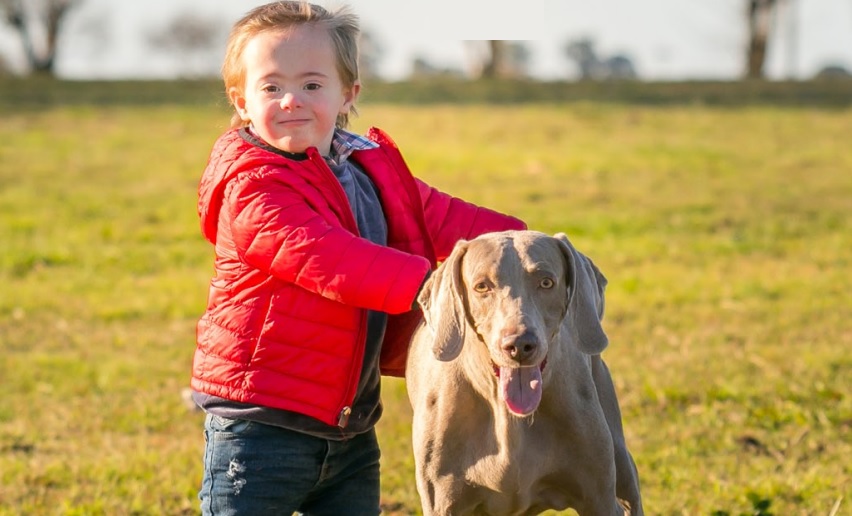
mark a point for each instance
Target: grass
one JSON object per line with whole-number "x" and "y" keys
{"x": 723, "y": 228}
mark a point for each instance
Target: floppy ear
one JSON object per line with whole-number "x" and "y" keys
{"x": 585, "y": 298}
{"x": 443, "y": 309}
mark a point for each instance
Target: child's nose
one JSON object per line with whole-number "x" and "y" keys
{"x": 289, "y": 101}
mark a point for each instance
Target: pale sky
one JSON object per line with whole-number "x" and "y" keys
{"x": 665, "y": 39}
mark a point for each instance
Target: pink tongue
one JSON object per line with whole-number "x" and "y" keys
{"x": 521, "y": 389}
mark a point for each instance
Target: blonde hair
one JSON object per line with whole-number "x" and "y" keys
{"x": 342, "y": 26}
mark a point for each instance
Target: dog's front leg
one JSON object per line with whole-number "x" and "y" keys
{"x": 627, "y": 477}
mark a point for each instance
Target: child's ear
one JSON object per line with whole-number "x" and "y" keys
{"x": 350, "y": 95}
{"x": 238, "y": 101}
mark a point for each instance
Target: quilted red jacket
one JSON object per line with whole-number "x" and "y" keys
{"x": 285, "y": 324}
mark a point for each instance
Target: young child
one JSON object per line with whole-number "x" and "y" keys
{"x": 322, "y": 240}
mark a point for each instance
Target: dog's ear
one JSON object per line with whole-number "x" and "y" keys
{"x": 443, "y": 306}
{"x": 585, "y": 298}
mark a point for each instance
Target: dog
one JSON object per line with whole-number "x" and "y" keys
{"x": 514, "y": 410}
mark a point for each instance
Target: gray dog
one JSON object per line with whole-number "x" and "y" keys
{"x": 514, "y": 409}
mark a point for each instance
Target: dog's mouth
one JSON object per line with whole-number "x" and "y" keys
{"x": 520, "y": 387}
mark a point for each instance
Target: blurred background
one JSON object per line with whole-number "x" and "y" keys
{"x": 558, "y": 40}
{"x": 698, "y": 150}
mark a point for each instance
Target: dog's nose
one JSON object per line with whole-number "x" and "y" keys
{"x": 520, "y": 347}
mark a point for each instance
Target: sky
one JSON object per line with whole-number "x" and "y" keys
{"x": 665, "y": 39}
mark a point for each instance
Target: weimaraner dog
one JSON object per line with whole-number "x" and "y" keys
{"x": 515, "y": 411}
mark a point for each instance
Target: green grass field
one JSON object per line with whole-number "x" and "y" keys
{"x": 724, "y": 228}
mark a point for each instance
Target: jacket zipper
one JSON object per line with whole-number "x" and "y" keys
{"x": 352, "y": 384}
{"x": 343, "y": 418}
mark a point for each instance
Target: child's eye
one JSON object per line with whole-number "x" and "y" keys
{"x": 270, "y": 88}
{"x": 312, "y": 86}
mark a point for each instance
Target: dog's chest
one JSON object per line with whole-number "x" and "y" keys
{"x": 516, "y": 464}
{"x": 507, "y": 489}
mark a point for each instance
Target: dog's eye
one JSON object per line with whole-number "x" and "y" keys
{"x": 481, "y": 287}
{"x": 546, "y": 283}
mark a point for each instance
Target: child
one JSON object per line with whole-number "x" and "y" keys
{"x": 323, "y": 239}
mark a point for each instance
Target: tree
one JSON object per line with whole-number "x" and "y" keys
{"x": 193, "y": 39}
{"x": 422, "y": 68}
{"x": 759, "y": 15}
{"x": 499, "y": 59}
{"x": 38, "y": 18}
{"x": 371, "y": 53}
{"x": 495, "y": 63}
{"x": 593, "y": 67}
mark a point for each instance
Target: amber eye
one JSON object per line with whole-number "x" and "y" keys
{"x": 481, "y": 287}
{"x": 546, "y": 283}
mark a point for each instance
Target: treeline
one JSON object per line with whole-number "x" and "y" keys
{"x": 36, "y": 93}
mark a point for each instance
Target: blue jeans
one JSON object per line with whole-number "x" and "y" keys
{"x": 256, "y": 469}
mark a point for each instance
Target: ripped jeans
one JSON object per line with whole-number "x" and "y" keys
{"x": 256, "y": 469}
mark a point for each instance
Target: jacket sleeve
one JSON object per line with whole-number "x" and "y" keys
{"x": 450, "y": 219}
{"x": 275, "y": 229}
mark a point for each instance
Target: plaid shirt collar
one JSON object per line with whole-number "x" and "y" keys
{"x": 344, "y": 143}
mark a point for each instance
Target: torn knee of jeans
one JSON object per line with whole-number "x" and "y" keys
{"x": 236, "y": 469}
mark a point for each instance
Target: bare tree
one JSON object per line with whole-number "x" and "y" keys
{"x": 593, "y": 67}
{"x": 193, "y": 40}
{"x": 422, "y": 68}
{"x": 371, "y": 53}
{"x": 494, "y": 65}
{"x": 38, "y": 20}
{"x": 759, "y": 14}
{"x": 499, "y": 59}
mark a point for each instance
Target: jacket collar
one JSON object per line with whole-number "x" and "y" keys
{"x": 343, "y": 144}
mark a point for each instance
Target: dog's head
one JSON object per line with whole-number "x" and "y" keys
{"x": 515, "y": 291}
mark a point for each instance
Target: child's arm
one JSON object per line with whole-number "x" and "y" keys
{"x": 450, "y": 219}
{"x": 276, "y": 229}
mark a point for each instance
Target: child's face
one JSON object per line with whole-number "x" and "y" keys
{"x": 293, "y": 91}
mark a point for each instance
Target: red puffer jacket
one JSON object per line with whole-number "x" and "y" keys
{"x": 285, "y": 324}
